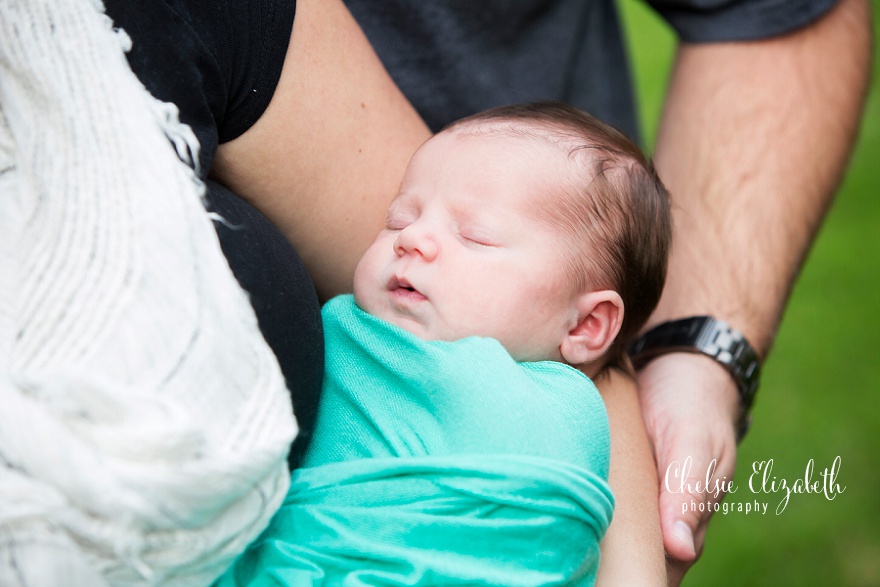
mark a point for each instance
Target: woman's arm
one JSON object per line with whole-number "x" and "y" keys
{"x": 327, "y": 156}
{"x": 632, "y": 550}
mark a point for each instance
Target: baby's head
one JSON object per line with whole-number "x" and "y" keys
{"x": 536, "y": 225}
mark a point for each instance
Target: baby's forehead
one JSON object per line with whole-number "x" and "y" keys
{"x": 553, "y": 133}
{"x": 513, "y": 133}
{"x": 481, "y": 160}
{"x": 489, "y": 146}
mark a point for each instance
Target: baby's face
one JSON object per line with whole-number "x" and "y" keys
{"x": 463, "y": 255}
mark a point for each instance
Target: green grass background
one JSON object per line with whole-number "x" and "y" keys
{"x": 820, "y": 396}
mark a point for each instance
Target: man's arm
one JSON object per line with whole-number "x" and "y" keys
{"x": 753, "y": 143}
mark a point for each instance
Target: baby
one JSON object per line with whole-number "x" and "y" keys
{"x": 455, "y": 443}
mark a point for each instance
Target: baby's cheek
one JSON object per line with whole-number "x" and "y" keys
{"x": 365, "y": 282}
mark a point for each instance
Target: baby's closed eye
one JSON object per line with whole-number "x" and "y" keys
{"x": 478, "y": 236}
{"x": 397, "y": 221}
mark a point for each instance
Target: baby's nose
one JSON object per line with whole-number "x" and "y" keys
{"x": 416, "y": 239}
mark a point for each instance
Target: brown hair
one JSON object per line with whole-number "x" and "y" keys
{"x": 616, "y": 215}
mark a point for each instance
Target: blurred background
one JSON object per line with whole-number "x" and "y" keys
{"x": 820, "y": 392}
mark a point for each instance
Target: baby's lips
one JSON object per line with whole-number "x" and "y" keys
{"x": 400, "y": 282}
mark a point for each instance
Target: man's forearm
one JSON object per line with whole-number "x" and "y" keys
{"x": 753, "y": 143}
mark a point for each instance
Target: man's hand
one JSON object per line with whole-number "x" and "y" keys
{"x": 690, "y": 405}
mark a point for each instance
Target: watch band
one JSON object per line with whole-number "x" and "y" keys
{"x": 711, "y": 337}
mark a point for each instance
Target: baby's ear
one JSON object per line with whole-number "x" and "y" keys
{"x": 600, "y": 316}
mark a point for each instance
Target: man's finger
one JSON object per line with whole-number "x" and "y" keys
{"x": 676, "y": 569}
{"x": 680, "y": 516}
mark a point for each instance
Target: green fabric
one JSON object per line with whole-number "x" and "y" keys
{"x": 437, "y": 463}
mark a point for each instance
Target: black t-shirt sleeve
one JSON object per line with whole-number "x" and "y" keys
{"x": 701, "y": 21}
{"x": 218, "y": 61}
{"x": 253, "y": 65}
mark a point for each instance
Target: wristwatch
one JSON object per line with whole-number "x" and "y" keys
{"x": 715, "y": 338}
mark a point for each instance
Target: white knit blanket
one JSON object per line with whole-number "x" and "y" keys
{"x": 144, "y": 422}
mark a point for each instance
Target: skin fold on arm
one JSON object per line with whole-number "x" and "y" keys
{"x": 323, "y": 163}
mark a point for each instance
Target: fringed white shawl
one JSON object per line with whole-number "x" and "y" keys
{"x": 144, "y": 422}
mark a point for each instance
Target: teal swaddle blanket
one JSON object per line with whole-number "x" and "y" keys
{"x": 440, "y": 463}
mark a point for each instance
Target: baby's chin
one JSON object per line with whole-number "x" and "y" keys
{"x": 404, "y": 321}
{"x": 424, "y": 331}
{"x": 410, "y": 324}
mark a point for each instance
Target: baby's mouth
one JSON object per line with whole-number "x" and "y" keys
{"x": 402, "y": 286}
